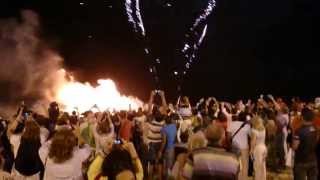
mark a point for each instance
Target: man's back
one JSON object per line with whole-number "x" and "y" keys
{"x": 306, "y": 152}
{"x": 212, "y": 163}
{"x": 240, "y": 140}
{"x": 154, "y": 131}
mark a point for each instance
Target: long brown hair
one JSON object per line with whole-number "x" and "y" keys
{"x": 62, "y": 146}
{"x": 32, "y": 131}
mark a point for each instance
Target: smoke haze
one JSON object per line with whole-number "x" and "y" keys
{"x": 29, "y": 70}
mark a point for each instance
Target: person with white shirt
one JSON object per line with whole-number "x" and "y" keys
{"x": 240, "y": 131}
{"x": 282, "y": 121}
{"x": 258, "y": 148}
{"x": 102, "y": 130}
{"x": 62, "y": 158}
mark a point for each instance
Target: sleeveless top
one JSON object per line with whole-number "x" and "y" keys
{"x": 260, "y": 136}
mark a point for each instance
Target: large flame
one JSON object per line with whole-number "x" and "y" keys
{"x": 74, "y": 95}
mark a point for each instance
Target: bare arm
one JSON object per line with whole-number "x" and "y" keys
{"x": 263, "y": 102}
{"x": 178, "y": 102}
{"x": 110, "y": 121}
{"x": 253, "y": 142}
{"x": 14, "y": 123}
{"x": 150, "y": 102}
{"x": 129, "y": 147}
{"x": 276, "y": 104}
{"x": 226, "y": 113}
{"x": 163, "y": 99}
{"x": 295, "y": 142}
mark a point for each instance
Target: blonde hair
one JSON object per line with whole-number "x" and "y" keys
{"x": 196, "y": 142}
{"x": 257, "y": 123}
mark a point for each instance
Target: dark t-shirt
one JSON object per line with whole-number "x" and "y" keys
{"x": 306, "y": 152}
{"x": 28, "y": 160}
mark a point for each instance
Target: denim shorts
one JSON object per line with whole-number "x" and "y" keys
{"x": 169, "y": 158}
{"x": 152, "y": 153}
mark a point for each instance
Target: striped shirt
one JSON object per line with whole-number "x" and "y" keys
{"x": 212, "y": 163}
{"x": 154, "y": 131}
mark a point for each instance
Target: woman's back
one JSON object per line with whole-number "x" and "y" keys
{"x": 28, "y": 161}
{"x": 260, "y": 136}
{"x": 62, "y": 157}
{"x": 69, "y": 169}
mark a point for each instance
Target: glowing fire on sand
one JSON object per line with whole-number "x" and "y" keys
{"x": 83, "y": 96}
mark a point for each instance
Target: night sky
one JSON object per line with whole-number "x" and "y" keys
{"x": 252, "y": 46}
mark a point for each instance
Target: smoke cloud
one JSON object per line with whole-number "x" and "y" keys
{"x": 29, "y": 69}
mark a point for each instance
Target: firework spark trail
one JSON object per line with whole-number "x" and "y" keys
{"x": 193, "y": 37}
{"x": 128, "y": 4}
{"x": 205, "y": 14}
{"x": 196, "y": 47}
{"x": 134, "y": 16}
{"x": 203, "y": 35}
{"x": 190, "y": 51}
{"x": 140, "y": 22}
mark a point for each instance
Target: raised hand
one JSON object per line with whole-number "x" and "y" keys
{"x": 161, "y": 93}
{"x": 153, "y": 93}
{"x": 270, "y": 97}
{"x": 130, "y": 148}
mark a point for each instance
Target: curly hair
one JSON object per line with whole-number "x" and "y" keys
{"x": 62, "y": 146}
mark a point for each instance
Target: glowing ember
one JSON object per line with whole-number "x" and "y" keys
{"x": 82, "y": 97}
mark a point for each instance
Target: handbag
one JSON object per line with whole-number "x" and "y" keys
{"x": 250, "y": 167}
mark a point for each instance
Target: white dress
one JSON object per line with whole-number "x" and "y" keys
{"x": 259, "y": 155}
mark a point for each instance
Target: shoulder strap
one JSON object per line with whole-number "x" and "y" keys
{"x": 238, "y": 130}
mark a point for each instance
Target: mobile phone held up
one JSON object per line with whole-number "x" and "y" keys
{"x": 117, "y": 142}
{"x": 157, "y": 91}
{"x": 26, "y": 115}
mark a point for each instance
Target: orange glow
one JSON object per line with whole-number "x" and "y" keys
{"x": 83, "y": 96}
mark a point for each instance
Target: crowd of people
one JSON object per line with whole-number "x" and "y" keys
{"x": 211, "y": 140}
